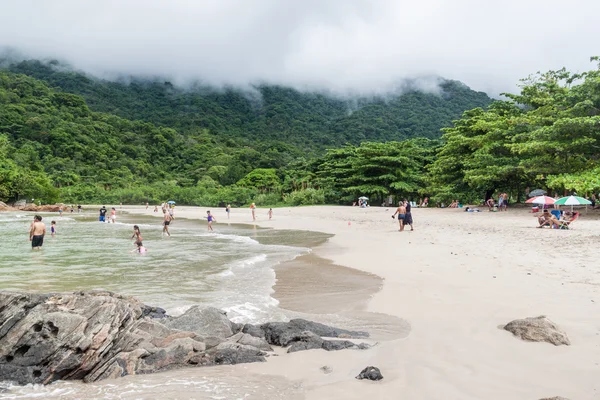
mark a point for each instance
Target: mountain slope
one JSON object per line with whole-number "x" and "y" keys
{"x": 269, "y": 112}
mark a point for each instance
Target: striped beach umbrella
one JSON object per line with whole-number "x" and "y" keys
{"x": 541, "y": 200}
{"x": 572, "y": 201}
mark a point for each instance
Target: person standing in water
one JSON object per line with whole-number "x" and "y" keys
{"x": 102, "y": 214}
{"x": 166, "y": 223}
{"x": 253, "y": 209}
{"x": 146, "y": 205}
{"x": 228, "y": 210}
{"x": 270, "y": 213}
{"x": 37, "y": 233}
{"x": 210, "y": 219}
{"x": 408, "y": 216}
{"x": 136, "y": 233}
{"x": 53, "y": 228}
{"x": 113, "y": 215}
{"x": 401, "y": 211}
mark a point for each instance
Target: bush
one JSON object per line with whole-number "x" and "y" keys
{"x": 305, "y": 197}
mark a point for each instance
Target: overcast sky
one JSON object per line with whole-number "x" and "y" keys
{"x": 363, "y": 45}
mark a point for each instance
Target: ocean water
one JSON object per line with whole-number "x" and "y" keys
{"x": 231, "y": 268}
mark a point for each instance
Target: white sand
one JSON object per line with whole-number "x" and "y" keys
{"x": 456, "y": 278}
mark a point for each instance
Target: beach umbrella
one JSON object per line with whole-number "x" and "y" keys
{"x": 363, "y": 198}
{"x": 171, "y": 202}
{"x": 541, "y": 200}
{"x": 537, "y": 192}
{"x": 572, "y": 201}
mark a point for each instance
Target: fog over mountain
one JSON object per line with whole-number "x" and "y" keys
{"x": 339, "y": 45}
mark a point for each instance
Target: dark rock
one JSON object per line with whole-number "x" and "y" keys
{"x": 538, "y": 329}
{"x": 331, "y": 345}
{"x": 284, "y": 333}
{"x": 306, "y": 341}
{"x": 254, "y": 330}
{"x": 98, "y": 335}
{"x": 371, "y": 373}
{"x": 205, "y": 321}
{"x": 153, "y": 312}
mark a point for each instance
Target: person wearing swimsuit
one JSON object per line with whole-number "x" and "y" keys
{"x": 401, "y": 211}
{"x": 210, "y": 219}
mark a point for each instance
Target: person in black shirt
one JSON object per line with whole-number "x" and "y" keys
{"x": 102, "y": 213}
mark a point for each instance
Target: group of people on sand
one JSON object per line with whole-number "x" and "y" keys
{"x": 404, "y": 215}
{"x": 550, "y": 219}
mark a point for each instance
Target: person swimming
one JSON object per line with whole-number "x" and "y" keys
{"x": 140, "y": 248}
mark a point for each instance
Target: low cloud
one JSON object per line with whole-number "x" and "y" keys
{"x": 343, "y": 46}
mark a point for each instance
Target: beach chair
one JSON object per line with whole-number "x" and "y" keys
{"x": 567, "y": 224}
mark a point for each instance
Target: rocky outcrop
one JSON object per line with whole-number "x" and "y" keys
{"x": 371, "y": 373}
{"x": 538, "y": 329}
{"x": 97, "y": 335}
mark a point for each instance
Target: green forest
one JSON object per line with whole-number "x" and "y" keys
{"x": 68, "y": 137}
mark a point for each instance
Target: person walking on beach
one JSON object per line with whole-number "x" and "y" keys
{"x": 408, "y": 215}
{"x": 53, "y": 228}
{"x": 166, "y": 223}
{"x": 270, "y": 213}
{"x": 210, "y": 219}
{"x": 37, "y": 233}
{"x": 253, "y": 209}
{"x": 505, "y": 201}
{"x": 228, "y": 210}
{"x": 103, "y": 211}
{"x": 401, "y": 211}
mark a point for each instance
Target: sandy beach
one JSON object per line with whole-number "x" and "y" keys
{"x": 454, "y": 280}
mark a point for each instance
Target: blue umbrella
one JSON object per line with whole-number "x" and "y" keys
{"x": 171, "y": 202}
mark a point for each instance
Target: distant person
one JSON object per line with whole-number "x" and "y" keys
{"x": 140, "y": 248}
{"x": 490, "y": 204}
{"x": 166, "y": 223}
{"x": 60, "y": 211}
{"x": 408, "y": 220}
{"x": 37, "y": 233}
{"x": 172, "y": 211}
{"x": 113, "y": 215}
{"x": 253, "y": 209}
{"x": 78, "y": 208}
{"x": 210, "y": 219}
{"x": 270, "y": 213}
{"x": 146, "y": 205}
{"x": 505, "y": 201}
{"x": 155, "y": 208}
{"x": 425, "y": 202}
{"x": 228, "y": 210}
{"x": 137, "y": 234}
{"x": 121, "y": 206}
{"x": 72, "y": 209}
{"x": 103, "y": 211}
{"x": 53, "y": 228}
{"x": 401, "y": 212}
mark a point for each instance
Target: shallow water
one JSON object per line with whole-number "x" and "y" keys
{"x": 229, "y": 269}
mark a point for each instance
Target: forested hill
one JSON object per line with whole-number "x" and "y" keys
{"x": 310, "y": 120}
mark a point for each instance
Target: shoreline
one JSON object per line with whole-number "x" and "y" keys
{"x": 455, "y": 279}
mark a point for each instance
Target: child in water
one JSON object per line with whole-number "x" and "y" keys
{"x": 53, "y": 228}
{"x": 270, "y": 213}
{"x": 140, "y": 248}
{"x": 210, "y": 219}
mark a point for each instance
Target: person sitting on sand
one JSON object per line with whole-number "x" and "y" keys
{"x": 547, "y": 219}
